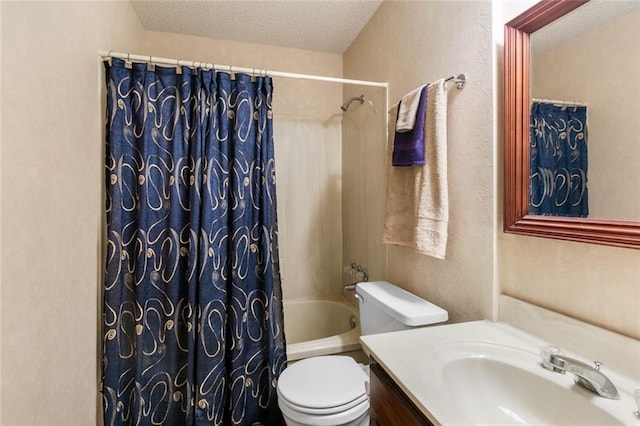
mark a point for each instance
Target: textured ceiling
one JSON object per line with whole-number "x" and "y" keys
{"x": 323, "y": 25}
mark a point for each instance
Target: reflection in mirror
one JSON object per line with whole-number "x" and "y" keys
{"x": 605, "y": 223}
{"x": 585, "y": 104}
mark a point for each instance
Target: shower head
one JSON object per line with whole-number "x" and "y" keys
{"x": 345, "y": 106}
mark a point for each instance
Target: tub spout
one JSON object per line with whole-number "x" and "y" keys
{"x": 350, "y": 287}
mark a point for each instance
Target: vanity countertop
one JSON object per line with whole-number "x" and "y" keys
{"x": 424, "y": 363}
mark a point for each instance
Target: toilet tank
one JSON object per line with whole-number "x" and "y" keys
{"x": 385, "y": 307}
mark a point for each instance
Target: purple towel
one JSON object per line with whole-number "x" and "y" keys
{"x": 408, "y": 147}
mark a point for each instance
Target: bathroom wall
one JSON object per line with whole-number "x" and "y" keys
{"x": 409, "y": 44}
{"x": 51, "y": 170}
{"x": 51, "y": 175}
{"x": 613, "y": 107}
{"x": 593, "y": 283}
{"x": 299, "y": 98}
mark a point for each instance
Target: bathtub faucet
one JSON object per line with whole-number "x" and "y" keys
{"x": 586, "y": 376}
{"x": 350, "y": 287}
{"x": 358, "y": 271}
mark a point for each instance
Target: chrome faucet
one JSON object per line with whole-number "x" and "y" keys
{"x": 350, "y": 287}
{"x": 586, "y": 376}
{"x": 357, "y": 271}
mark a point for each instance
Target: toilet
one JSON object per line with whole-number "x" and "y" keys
{"x": 332, "y": 390}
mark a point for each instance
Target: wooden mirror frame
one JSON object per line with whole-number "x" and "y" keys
{"x": 517, "y": 219}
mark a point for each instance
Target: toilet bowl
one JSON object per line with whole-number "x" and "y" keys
{"x": 331, "y": 390}
{"x": 324, "y": 391}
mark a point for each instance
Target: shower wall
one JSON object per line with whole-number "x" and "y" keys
{"x": 364, "y": 181}
{"x": 309, "y": 177}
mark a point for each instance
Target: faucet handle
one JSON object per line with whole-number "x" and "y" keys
{"x": 546, "y": 352}
{"x": 636, "y": 395}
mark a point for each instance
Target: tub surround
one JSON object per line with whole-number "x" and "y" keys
{"x": 320, "y": 327}
{"x": 416, "y": 359}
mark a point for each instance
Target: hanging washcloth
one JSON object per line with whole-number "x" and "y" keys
{"x": 408, "y": 110}
{"x": 417, "y": 205}
{"x": 408, "y": 146}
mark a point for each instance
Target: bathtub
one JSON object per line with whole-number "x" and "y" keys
{"x": 320, "y": 327}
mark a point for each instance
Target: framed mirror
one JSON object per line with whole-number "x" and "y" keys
{"x": 517, "y": 154}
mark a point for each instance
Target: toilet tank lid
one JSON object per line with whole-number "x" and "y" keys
{"x": 400, "y": 304}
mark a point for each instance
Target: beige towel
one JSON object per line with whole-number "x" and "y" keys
{"x": 417, "y": 209}
{"x": 406, "y": 120}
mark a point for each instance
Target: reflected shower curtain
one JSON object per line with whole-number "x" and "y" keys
{"x": 193, "y": 327}
{"x": 558, "y": 160}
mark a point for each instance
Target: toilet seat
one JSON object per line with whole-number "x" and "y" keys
{"x": 329, "y": 389}
{"x": 358, "y": 415}
{"x": 364, "y": 399}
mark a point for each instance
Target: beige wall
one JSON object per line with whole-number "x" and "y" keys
{"x": 52, "y": 162}
{"x": 409, "y": 44}
{"x": 597, "y": 284}
{"x": 609, "y": 84}
{"x": 300, "y": 98}
{"x": 51, "y": 201}
{"x": 1, "y": 221}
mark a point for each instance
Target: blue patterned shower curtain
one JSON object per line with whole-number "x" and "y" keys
{"x": 193, "y": 325}
{"x": 558, "y": 160}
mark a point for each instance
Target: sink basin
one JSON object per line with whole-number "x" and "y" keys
{"x": 484, "y": 373}
{"x": 505, "y": 394}
{"x": 494, "y": 384}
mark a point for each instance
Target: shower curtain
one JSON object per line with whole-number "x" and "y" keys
{"x": 558, "y": 160}
{"x": 192, "y": 321}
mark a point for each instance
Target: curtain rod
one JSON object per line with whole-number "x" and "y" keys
{"x": 562, "y": 103}
{"x": 232, "y": 69}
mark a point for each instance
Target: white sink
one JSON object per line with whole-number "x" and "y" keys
{"x": 494, "y": 384}
{"x": 490, "y": 374}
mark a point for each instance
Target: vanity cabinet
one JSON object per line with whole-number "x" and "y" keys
{"x": 389, "y": 405}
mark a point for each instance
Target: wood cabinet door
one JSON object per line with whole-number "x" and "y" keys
{"x": 389, "y": 405}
